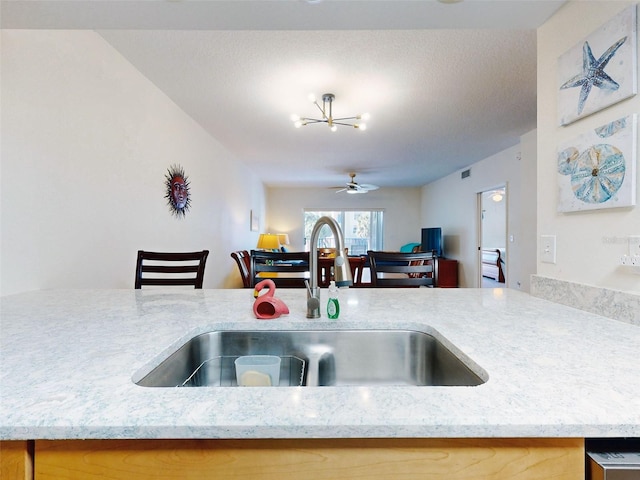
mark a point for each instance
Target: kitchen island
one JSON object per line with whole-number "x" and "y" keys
{"x": 555, "y": 376}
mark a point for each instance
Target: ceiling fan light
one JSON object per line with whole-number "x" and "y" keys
{"x": 334, "y": 128}
{"x": 352, "y": 187}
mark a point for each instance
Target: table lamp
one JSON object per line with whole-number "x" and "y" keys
{"x": 283, "y": 239}
{"x": 268, "y": 241}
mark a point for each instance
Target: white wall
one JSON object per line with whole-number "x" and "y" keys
{"x": 452, "y": 203}
{"x": 86, "y": 142}
{"x": 589, "y": 244}
{"x": 401, "y": 211}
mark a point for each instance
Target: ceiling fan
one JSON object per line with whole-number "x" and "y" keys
{"x": 354, "y": 187}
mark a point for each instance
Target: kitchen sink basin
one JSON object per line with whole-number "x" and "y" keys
{"x": 318, "y": 358}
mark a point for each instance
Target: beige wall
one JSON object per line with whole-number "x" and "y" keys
{"x": 401, "y": 211}
{"x": 589, "y": 244}
{"x": 452, "y": 203}
{"x": 86, "y": 142}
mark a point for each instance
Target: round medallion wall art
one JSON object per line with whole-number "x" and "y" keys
{"x": 597, "y": 170}
{"x": 177, "y": 193}
{"x": 596, "y": 173}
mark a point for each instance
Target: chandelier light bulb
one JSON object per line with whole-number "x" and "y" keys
{"x": 326, "y": 111}
{"x": 295, "y": 118}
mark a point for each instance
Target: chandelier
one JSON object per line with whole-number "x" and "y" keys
{"x": 327, "y": 115}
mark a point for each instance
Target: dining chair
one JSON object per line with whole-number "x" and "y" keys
{"x": 243, "y": 259}
{"x": 286, "y": 269}
{"x": 169, "y": 269}
{"x": 400, "y": 269}
{"x": 358, "y": 264}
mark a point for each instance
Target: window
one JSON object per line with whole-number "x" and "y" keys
{"x": 362, "y": 230}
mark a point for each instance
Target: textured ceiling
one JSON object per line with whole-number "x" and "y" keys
{"x": 440, "y": 99}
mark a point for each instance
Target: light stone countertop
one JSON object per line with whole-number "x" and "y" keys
{"x": 67, "y": 359}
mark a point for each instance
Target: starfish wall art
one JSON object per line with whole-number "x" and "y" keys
{"x": 600, "y": 70}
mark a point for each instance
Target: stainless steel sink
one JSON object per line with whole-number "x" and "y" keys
{"x": 319, "y": 358}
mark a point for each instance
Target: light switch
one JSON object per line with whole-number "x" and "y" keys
{"x": 548, "y": 248}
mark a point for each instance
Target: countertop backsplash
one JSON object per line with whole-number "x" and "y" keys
{"x": 614, "y": 304}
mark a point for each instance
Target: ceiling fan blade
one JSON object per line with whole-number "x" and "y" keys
{"x": 355, "y": 187}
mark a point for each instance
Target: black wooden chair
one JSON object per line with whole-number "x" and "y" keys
{"x": 243, "y": 259}
{"x": 400, "y": 269}
{"x": 170, "y": 269}
{"x": 286, "y": 269}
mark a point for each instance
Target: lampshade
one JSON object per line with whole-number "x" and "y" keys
{"x": 283, "y": 238}
{"x": 268, "y": 241}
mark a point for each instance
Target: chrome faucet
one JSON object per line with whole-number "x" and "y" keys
{"x": 342, "y": 271}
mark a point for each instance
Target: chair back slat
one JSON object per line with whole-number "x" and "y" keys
{"x": 171, "y": 269}
{"x": 400, "y": 269}
{"x": 172, "y": 265}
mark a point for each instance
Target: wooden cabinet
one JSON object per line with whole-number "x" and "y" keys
{"x": 446, "y": 273}
{"x": 16, "y": 460}
{"x": 312, "y": 459}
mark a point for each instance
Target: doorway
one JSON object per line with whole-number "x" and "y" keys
{"x": 492, "y": 249}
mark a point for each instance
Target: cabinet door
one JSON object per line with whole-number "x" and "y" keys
{"x": 447, "y": 274}
{"x": 16, "y": 461}
{"x": 309, "y": 459}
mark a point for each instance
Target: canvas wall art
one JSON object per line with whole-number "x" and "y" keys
{"x": 254, "y": 221}
{"x": 598, "y": 169}
{"x": 600, "y": 70}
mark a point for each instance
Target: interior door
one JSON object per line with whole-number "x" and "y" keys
{"x": 492, "y": 222}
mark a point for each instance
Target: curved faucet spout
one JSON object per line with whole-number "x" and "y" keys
{"x": 342, "y": 271}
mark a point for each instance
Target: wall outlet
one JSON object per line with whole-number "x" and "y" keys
{"x": 631, "y": 261}
{"x": 634, "y": 245}
{"x": 548, "y": 248}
